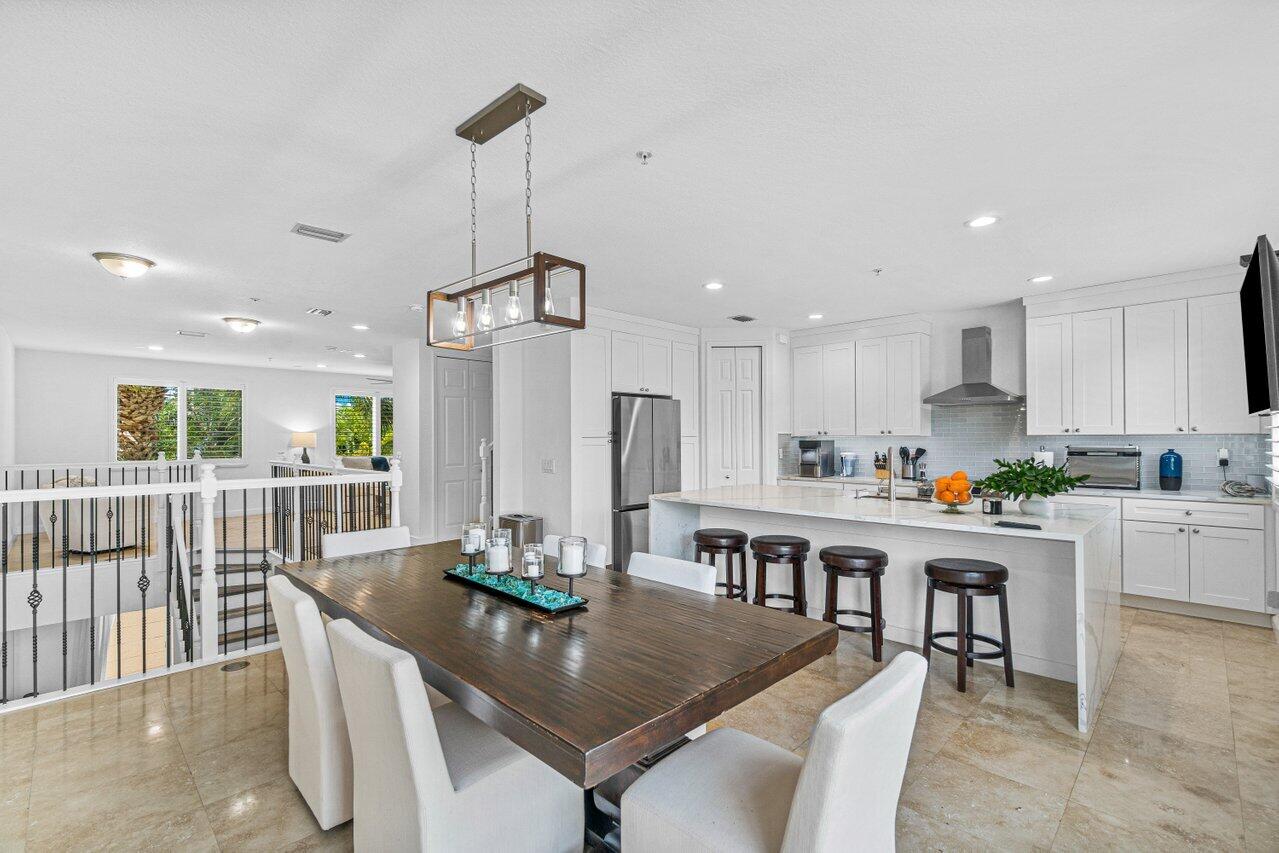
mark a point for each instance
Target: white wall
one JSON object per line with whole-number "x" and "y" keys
{"x": 548, "y": 436}
{"x": 65, "y": 404}
{"x": 1007, "y": 321}
{"x": 7, "y": 407}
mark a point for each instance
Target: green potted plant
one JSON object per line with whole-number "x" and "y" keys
{"x": 1032, "y": 482}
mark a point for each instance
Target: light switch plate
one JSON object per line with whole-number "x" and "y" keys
{"x": 548, "y": 466}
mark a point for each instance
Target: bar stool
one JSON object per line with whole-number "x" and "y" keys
{"x": 852, "y": 561}
{"x": 726, "y": 541}
{"x": 781, "y": 549}
{"x": 968, "y": 579}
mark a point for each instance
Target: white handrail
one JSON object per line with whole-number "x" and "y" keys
{"x": 152, "y": 463}
{"x": 132, "y": 489}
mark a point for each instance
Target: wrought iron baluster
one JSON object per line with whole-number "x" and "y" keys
{"x": 168, "y": 577}
{"x": 93, "y": 566}
{"x": 35, "y": 596}
{"x": 264, "y": 566}
{"x": 144, "y": 582}
{"x": 66, "y": 551}
{"x": 80, "y": 554}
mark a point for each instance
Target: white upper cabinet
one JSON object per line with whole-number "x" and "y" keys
{"x": 872, "y": 386}
{"x": 838, "y": 381}
{"x": 1155, "y": 368}
{"x": 684, "y": 385}
{"x": 906, "y": 370}
{"x": 592, "y": 382}
{"x": 1097, "y": 367}
{"x": 1049, "y": 398}
{"x": 628, "y": 354}
{"x": 1218, "y": 393}
{"x": 655, "y": 366}
{"x": 808, "y": 390}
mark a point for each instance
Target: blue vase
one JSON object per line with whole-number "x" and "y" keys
{"x": 1170, "y": 471}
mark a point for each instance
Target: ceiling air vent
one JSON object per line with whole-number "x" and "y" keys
{"x": 378, "y": 380}
{"x": 742, "y": 318}
{"x": 319, "y": 233}
{"x": 319, "y": 312}
{"x": 184, "y": 333}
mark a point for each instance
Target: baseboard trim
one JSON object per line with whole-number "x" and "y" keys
{"x": 1203, "y": 611}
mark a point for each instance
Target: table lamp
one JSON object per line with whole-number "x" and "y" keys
{"x": 303, "y": 440}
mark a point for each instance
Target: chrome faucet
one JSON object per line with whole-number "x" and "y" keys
{"x": 892, "y": 475}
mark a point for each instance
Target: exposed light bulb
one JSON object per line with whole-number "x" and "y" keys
{"x": 548, "y": 304}
{"x": 459, "y": 319}
{"x": 514, "y": 313}
{"x": 485, "y": 320}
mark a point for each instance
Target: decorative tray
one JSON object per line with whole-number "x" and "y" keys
{"x": 545, "y": 599}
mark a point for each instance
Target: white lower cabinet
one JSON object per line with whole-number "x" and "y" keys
{"x": 1221, "y": 566}
{"x": 592, "y": 516}
{"x": 1225, "y": 568}
{"x": 1156, "y": 560}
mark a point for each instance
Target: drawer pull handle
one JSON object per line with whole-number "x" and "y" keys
{"x": 1181, "y": 530}
{"x": 1196, "y": 530}
{"x": 1188, "y": 512}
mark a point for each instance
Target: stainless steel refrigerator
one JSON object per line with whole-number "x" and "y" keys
{"x": 645, "y": 462}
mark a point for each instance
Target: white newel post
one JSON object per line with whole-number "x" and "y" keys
{"x": 397, "y": 480}
{"x": 208, "y": 565}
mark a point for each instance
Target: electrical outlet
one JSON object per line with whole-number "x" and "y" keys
{"x": 1223, "y": 457}
{"x": 548, "y": 466}
{"x": 780, "y": 455}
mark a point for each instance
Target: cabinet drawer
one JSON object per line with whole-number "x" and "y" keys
{"x": 1251, "y": 516}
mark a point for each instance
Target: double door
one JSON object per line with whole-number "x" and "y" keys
{"x": 1075, "y": 373}
{"x": 641, "y": 364}
{"x": 1220, "y": 566}
{"x": 823, "y": 389}
{"x": 890, "y": 385}
{"x": 734, "y": 416}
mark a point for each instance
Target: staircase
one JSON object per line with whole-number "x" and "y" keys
{"x": 244, "y": 613}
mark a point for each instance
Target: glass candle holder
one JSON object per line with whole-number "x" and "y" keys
{"x": 532, "y": 567}
{"x": 473, "y": 535}
{"x": 497, "y": 555}
{"x": 572, "y": 559}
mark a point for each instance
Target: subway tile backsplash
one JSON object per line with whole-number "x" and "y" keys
{"x": 972, "y": 437}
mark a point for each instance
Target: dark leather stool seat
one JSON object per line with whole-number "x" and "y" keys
{"x": 729, "y": 542}
{"x": 853, "y": 561}
{"x": 968, "y": 579}
{"x": 782, "y": 549}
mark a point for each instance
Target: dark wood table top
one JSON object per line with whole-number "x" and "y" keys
{"x": 588, "y": 692}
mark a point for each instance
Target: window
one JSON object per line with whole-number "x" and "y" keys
{"x": 177, "y": 420}
{"x": 363, "y": 425}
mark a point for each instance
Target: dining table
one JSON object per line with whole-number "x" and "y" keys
{"x": 589, "y": 692}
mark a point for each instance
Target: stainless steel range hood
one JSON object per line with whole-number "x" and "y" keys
{"x": 976, "y": 389}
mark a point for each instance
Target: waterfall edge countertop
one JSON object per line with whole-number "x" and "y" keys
{"x": 1070, "y": 522}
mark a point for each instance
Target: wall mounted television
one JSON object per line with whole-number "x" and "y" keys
{"x": 1259, "y": 307}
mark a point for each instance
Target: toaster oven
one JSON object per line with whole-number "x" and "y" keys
{"x": 1113, "y": 467}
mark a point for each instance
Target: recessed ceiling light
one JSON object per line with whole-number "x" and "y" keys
{"x": 243, "y": 325}
{"x": 1040, "y": 279}
{"x": 359, "y": 355}
{"x": 713, "y": 285}
{"x": 982, "y": 221}
{"x": 360, "y": 327}
{"x": 321, "y": 366}
{"x": 156, "y": 348}
{"x": 815, "y": 316}
{"x": 125, "y": 266}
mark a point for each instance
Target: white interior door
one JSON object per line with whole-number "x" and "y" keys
{"x": 734, "y": 416}
{"x": 463, "y": 416}
{"x": 1155, "y": 368}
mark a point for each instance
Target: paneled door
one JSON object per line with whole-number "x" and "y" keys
{"x": 1156, "y": 560}
{"x": 1155, "y": 368}
{"x": 872, "y": 396}
{"x": 1217, "y": 390}
{"x": 808, "y": 387}
{"x": 1049, "y": 396}
{"x": 1097, "y": 371}
{"x": 1223, "y": 568}
{"x": 463, "y": 416}
{"x": 734, "y": 416}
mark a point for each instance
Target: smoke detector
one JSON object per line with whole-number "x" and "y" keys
{"x": 317, "y": 233}
{"x": 319, "y": 312}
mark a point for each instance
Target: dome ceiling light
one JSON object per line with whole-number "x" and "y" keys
{"x": 243, "y": 325}
{"x": 538, "y": 294}
{"x": 125, "y": 266}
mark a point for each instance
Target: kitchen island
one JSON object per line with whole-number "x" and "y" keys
{"x": 1064, "y": 580}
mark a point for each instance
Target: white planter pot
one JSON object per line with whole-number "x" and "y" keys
{"x": 1037, "y": 506}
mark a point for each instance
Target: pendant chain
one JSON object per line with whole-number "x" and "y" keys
{"x": 473, "y": 267}
{"x": 528, "y": 174}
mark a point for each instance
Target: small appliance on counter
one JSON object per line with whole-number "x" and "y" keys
{"x": 525, "y": 529}
{"x": 848, "y": 464}
{"x": 1112, "y": 467}
{"x": 816, "y": 458}
{"x": 1170, "y": 471}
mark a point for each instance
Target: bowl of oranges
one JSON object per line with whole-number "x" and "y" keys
{"x": 953, "y": 491}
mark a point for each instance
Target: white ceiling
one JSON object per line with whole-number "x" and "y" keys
{"x": 796, "y": 148}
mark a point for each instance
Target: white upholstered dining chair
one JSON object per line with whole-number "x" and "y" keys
{"x": 727, "y": 791}
{"x": 319, "y": 751}
{"x": 363, "y": 541}
{"x": 596, "y": 554}
{"x": 439, "y": 779}
{"x": 699, "y": 577}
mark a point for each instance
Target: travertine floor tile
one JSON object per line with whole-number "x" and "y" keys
{"x": 936, "y": 835}
{"x": 772, "y": 718}
{"x": 240, "y": 764}
{"x": 1260, "y": 826}
{"x": 1168, "y": 707}
{"x": 1086, "y": 829}
{"x": 267, "y": 817}
{"x": 340, "y": 839}
{"x": 1046, "y": 765}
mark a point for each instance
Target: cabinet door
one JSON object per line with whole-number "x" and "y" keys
{"x": 655, "y": 369}
{"x": 1217, "y": 388}
{"x": 1155, "y": 368}
{"x": 1048, "y": 389}
{"x": 684, "y": 385}
{"x": 690, "y": 463}
{"x": 872, "y": 376}
{"x": 903, "y": 390}
{"x": 627, "y": 358}
{"x": 808, "y": 387}
{"x": 1227, "y": 568}
{"x": 1157, "y": 560}
{"x": 837, "y": 371}
{"x": 592, "y": 382}
{"x": 592, "y": 502}
{"x": 1097, "y": 372}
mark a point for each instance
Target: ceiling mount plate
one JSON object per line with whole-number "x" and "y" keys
{"x": 501, "y": 114}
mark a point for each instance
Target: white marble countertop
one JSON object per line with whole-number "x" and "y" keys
{"x": 1070, "y": 522}
{"x": 1211, "y": 495}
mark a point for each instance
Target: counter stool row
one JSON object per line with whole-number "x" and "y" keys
{"x": 966, "y": 579}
